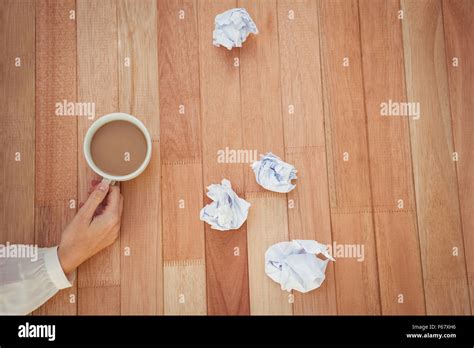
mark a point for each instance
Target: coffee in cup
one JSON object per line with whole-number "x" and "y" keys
{"x": 117, "y": 147}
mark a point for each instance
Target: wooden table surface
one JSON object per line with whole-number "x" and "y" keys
{"x": 309, "y": 88}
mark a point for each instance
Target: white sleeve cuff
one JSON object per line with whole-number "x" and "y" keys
{"x": 54, "y": 269}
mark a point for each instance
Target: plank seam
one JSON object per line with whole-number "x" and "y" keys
{"x": 264, "y": 194}
{"x": 98, "y": 284}
{"x": 120, "y": 240}
{"x": 369, "y": 210}
{"x": 366, "y": 117}
{"x": 185, "y": 161}
{"x": 285, "y": 148}
{"x": 76, "y": 95}
{"x": 327, "y": 144}
{"x": 446, "y": 278}
{"x": 183, "y": 263}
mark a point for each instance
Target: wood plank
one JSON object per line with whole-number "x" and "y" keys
{"x": 384, "y": 80}
{"x": 141, "y": 270}
{"x": 182, "y": 202}
{"x": 101, "y": 303}
{"x": 390, "y": 161}
{"x": 227, "y": 272}
{"x": 434, "y": 170}
{"x": 221, "y": 119}
{"x": 183, "y": 232}
{"x": 50, "y": 221}
{"x": 56, "y": 135}
{"x": 260, "y": 87}
{"x": 17, "y": 39}
{"x": 345, "y": 114}
{"x": 309, "y": 218}
{"x": 183, "y": 240}
{"x": 185, "y": 287}
{"x": 178, "y": 79}
{"x": 356, "y": 277}
{"x": 97, "y": 81}
{"x": 298, "y": 29}
{"x": 267, "y": 224}
{"x": 263, "y": 130}
{"x": 459, "y": 28}
{"x": 399, "y": 263}
{"x": 344, "y": 102}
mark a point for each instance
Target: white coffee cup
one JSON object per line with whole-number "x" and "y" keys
{"x": 116, "y": 116}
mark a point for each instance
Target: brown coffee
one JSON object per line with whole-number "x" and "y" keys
{"x": 118, "y": 148}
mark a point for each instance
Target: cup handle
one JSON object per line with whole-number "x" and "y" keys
{"x": 110, "y": 182}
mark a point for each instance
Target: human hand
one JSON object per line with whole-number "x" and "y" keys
{"x": 95, "y": 226}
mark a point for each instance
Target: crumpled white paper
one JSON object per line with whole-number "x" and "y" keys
{"x": 227, "y": 211}
{"x": 232, "y": 28}
{"x": 295, "y": 266}
{"x": 274, "y": 174}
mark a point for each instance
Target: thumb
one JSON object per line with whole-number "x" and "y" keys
{"x": 95, "y": 198}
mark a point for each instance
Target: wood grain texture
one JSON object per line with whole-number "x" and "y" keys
{"x": 300, "y": 74}
{"x": 178, "y": 265}
{"x": 459, "y": 29}
{"x": 263, "y": 131}
{"x": 384, "y": 80}
{"x": 185, "y": 287}
{"x": 220, "y": 100}
{"x": 178, "y": 80}
{"x": 305, "y": 139}
{"x": 180, "y": 134}
{"x": 399, "y": 263}
{"x": 97, "y": 82}
{"x": 260, "y": 87}
{"x": 100, "y": 300}
{"x": 141, "y": 271}
{"x": 434, "y": 170}
{"x": 351, "y": 202}
{"x": 17, "y": 131}
{"x": 267, "y": 224}
{"x": 398, "y": 248}
{"x": 344, "y": 102}
{"x": 184, "y": 235}
{"x": 356, "y": 277}
{"x": 310, "y": 218}
{"x": 183, "y": 239}
{"x": 50, "y": 221}
{"x": 138, "y": 41}
{"x": 141, "y": 231}
{"x": 56, "y": 135}
{"x": 226, "y": 273}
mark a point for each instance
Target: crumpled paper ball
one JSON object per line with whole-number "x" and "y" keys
{"x": 274, "y": 174}
{"x": 232, "y": 28}
{"x": 294, "y": 265}
{"x": 227, "y": 211}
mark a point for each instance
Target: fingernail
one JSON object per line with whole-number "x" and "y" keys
{"x": 104, "y": 186}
